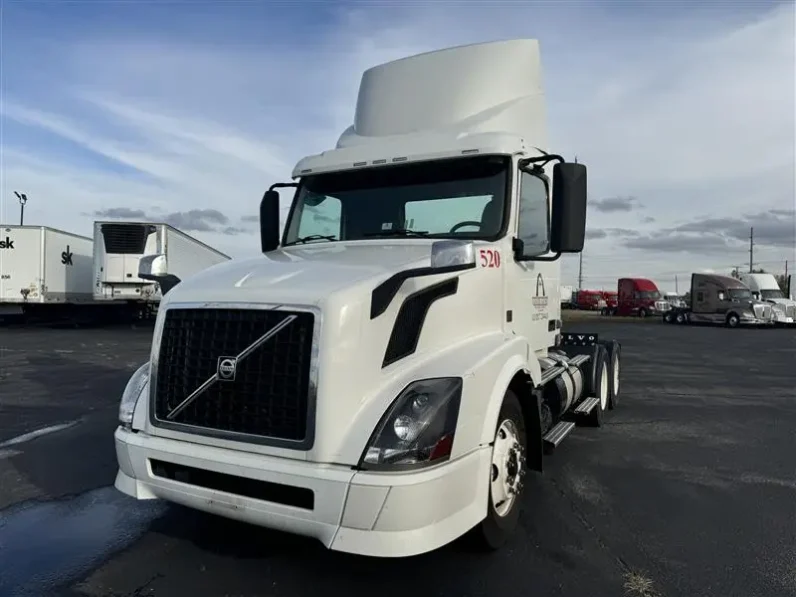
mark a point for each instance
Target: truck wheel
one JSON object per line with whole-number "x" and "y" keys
{"x": 733, "y": 320}
{"x": 667, "y": 317}
{"x": 602, "y": 389}
{"x": 680, "y": 318}
{"x": 614, "y": 374}
{"x": 642, "y": 312}
{"x": 505, "y": 476}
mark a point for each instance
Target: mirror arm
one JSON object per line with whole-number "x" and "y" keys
{"x": 541, "y": 160}
{"x": 517, "y": 246}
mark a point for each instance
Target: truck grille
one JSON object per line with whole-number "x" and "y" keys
{"x": 269, "y": 393}
{"x": 762, "y": 311}
{"x": 790, "y": 311}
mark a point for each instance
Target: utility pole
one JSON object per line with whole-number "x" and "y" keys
{"x": 786, "y": 269}
{"x": 676, "y": 286}
{"x": 23, "y": 199}
{"x": 580, "y": 271}
{"x": 751, "y": 249}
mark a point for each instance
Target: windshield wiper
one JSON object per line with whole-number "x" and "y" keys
{"x": 305, "y": 239}
{"x": 397, "y": 232}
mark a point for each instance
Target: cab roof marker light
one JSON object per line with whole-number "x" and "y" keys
{"x": 401, "y": 159}
{"x": 469, "y": 151}
{"x": 379, "y": 162}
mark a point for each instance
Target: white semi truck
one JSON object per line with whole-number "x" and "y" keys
{"x": 118, "y": 247}
{"x": 384, "y": 375}
{"x": 765, "y": 288}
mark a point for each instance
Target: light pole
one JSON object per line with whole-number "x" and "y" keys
{"x": 23, "y": 199}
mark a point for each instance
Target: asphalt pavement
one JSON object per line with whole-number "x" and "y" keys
{"x": 688, "y": 489}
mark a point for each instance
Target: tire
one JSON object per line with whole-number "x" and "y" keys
{"x": 680, "y": 318}
{"x": 732, "y": 320}
{"x": 642, "y": 312}
{"x": 667, "y": 317}
{"x": 601, "y": 385}
{"x": 501, "y": 520}
{"x": 604, "y": 311}
{"x": 614, "y": 374}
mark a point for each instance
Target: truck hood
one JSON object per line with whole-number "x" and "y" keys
{"x": 302, "y": 274}
{"x": 354, "y": 387}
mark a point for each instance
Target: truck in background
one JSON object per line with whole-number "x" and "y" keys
{"x": 720, "y": 299}
{"x": 765, "y": 288}
{"x": 611, "y": 301}
{"x": 674, "y": 299}
{"x": 361, "y": 382}
{"x": 639, "y": 297}
{"x": 118, "y": 248}
{"x": 43, "y": 270}
{"x": 589, "y": 300}
{"x": 566, "y": 293}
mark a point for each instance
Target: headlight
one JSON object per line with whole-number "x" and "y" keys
{"x": 418, "y": 428}
{"x": 132, "y": 392}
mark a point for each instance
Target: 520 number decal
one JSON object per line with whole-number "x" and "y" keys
{"x": 490, "y": 258}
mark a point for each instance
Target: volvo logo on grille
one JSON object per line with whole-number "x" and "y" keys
{"x": 227, "y": 368}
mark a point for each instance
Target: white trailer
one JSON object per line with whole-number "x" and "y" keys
{"x": 383, "y": 376}
{"x": 119, "y": 246}
{"x": 765, "y": 288}
{"x": 566, "y": 293}
{"x": 43, "y": 266}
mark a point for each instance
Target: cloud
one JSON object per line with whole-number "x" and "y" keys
{"x": 120, "y": 212}
{"x": 772, "y": 228}
{"x": 194, "y": 220}
{"x": 614, "y": 204}
{"x": 688, "y": 110}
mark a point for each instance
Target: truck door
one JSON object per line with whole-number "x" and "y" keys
{"x": 532, "y": 287}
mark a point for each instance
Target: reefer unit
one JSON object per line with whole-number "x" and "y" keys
{"x": 41, "y": 265}
{"x": 118, "y": 247}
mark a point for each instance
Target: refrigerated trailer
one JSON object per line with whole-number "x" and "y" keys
{"x": 43, "y": 267}
{"x": 119, "y": 246}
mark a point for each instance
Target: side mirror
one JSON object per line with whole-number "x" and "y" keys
{"x": 568, "y": 221}
{"x": 452, "y": 254}
{"x": 155, "y": 268}
{"x": 269, "y": 221}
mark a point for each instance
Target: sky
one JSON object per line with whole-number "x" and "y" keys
{"x": 185, "y": 112}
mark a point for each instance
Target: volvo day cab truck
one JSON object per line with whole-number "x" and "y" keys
{"x": 386, "y": 373}
{"x": 765, "y": 288}
{"x": 721, "y": 300}
{"x": 118, "y": 247}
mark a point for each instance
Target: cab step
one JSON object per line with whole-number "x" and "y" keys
{"x": 586, "y": 406}
{"x": 557, "y": 434}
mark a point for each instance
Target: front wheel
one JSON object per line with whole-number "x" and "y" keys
{"x": 505, "y": 476}
{"x": 733, "y": 320}
{"x": 642, "y": 312}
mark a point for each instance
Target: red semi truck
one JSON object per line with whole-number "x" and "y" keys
{"x": 639, "y": 297}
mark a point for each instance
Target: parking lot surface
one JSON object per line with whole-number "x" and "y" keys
{"x": 688, "y": 489}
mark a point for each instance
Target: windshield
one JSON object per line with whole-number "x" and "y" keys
{"x": 650, "y": 294}
{"x": 739, "y": 294}
{"x": 770, "y": 294}
{"x": 459, "y": 198}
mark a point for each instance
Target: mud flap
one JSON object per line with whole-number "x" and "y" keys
{"x": 533, "y": 431}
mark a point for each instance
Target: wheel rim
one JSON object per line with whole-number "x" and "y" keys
{"x": 507, "y": 468}
{"x": 616, "y": 375}
{"x": 603, "y": 387}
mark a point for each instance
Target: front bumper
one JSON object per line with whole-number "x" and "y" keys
{"x": 385, "y": 515}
